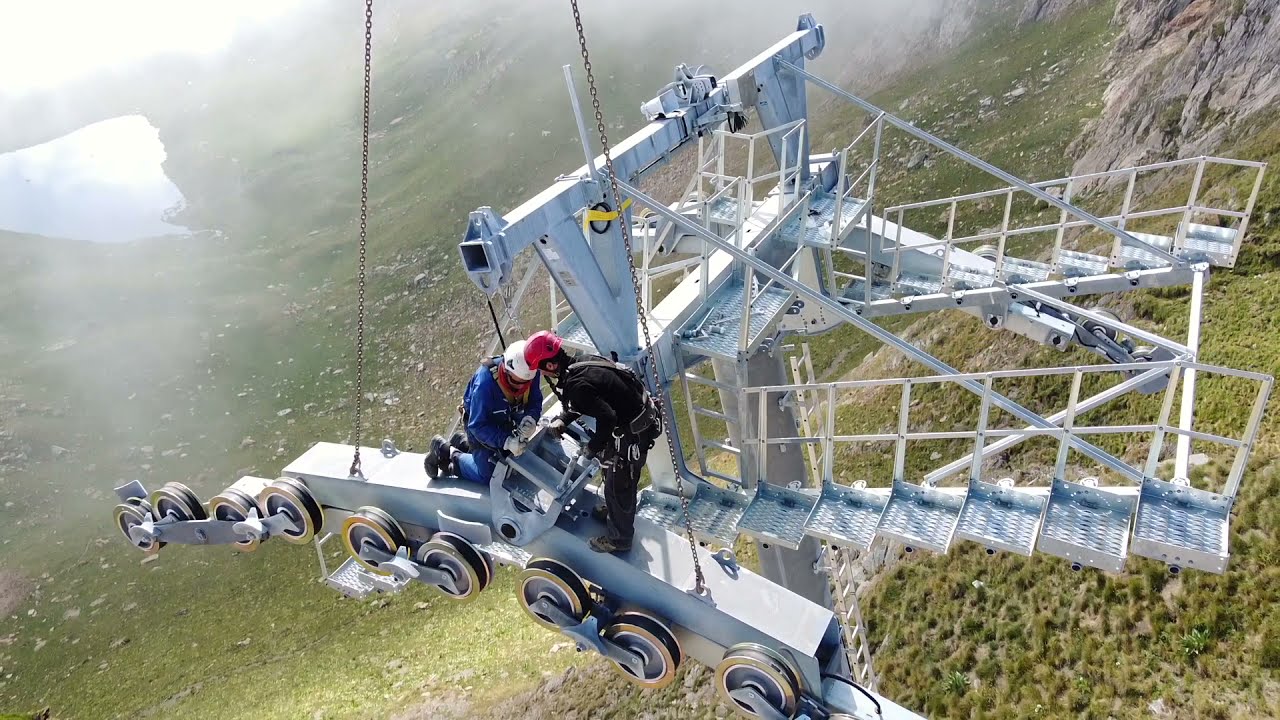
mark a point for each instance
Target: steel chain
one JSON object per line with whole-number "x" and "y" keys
{"x": 364, "y": 220}
{"x": 640, "y": 312}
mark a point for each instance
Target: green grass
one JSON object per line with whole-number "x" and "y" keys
{"x": 185, "y": 329}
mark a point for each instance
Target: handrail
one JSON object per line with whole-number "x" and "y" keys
{"x": 979, "y": 163}
{"x": 1064, "y": 429}
{"x": 1087, "y": 176}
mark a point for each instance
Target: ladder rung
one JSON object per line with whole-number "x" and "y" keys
{"x": 698, "y": 379}
{"x": 722, "y": 476}
{"x": 721, "y": 447}
{"x": 714, "y": 414}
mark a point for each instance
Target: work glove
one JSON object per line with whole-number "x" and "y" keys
{"x": 586, "y": 453}
{"x": 514, "y": 445}
{"x": 556, "y": 428}
{"x": 528, "y": 426}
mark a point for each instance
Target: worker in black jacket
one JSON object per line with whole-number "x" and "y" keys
{"x": 627, "y": 424}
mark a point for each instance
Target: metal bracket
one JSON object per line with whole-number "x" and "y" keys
{"x": 254, "y": 527}
{"x": 130, "y": 490}
{"x": 389, "y": 448}
{"x": 758, "y": 703}
{"x": 586, "y": 634}
{"x": 404, "y": 569}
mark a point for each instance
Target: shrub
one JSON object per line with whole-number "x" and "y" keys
{"x": 1195, "y": 642}
{"x": 956, "y": 683}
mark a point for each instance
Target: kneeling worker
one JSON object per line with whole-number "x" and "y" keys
{"x": 628, "y": 422}
{"x": 500, "y": 410}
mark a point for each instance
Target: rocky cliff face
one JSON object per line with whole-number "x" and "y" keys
{"x": 1040, "y": 10}
{"x": 1182, "y": 72}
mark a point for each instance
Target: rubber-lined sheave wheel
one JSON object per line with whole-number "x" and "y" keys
{"x": 129, "y": 513}
{"x": 467, "y": 566}
{"x": 653, "y": 641}
{"x": 545, "y": 578}
{"x": 1099, "y": 329}
{"x": 372, "y": 525}
{"x": 292, "y": 498}
{"x": 177, "y": 500}
{"x": 233, "y": 505}
{"x": 762, "y": 670}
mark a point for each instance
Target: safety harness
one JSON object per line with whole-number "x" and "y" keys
{"x": 516, "y": 399}
{"x": 646, "y": 426}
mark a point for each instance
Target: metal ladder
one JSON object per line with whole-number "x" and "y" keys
{"x": 844, "y": 595}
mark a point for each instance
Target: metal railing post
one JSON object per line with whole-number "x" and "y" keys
{"x": 1157, "y": 439}
{"x": 1186, "y": 414}
{"x": 1068, "y": 422}
{"x": 900, "y": 448}
{"x": 1180, "y": 236}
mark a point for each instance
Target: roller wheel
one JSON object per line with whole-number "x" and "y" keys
{"x": 292, "y": 498}
{"x": 653, "y": 641}
{"x": 543, "y": 578}
{"x": 764, "y": 671}
{"x": 371, "y": 525}
{"x": 233, "y": 505}
{"x": 467, "y": 566}
{"x": 177, "y": 500}
{"x": 1101, "y": 330}
{"x": 133, "y": 512}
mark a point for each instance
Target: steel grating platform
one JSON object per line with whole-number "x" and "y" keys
{"x": 846, "y": 516}
{"x": 1136, "y": 257}
{"x": 819, "y": 226}
{"x": 920, "y": 516}
{"x": 967, "y": 278}
{"x": 354, "y": 581}
{"x": 1086, "y": 525}
{"x": 778, "y": 515}
{"x": 1000, "y": 518}
{"x": 913, "y": 284}
{"x": 721, "y": 331}
{"x": 1209, "y": 243}
{"x": 575, "y": 335}
{"x": 853, "y": 292}
{"x": 713, "y": 513}
{"x": 1182, "y": 526}
{"x": 1017, "y": 271}
{"x": 723, "y": 210}
{"x": 1081, "y": 264}
{"x": 506, "y": 553}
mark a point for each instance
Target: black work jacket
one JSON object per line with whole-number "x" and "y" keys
{"x": 601, "y": 393}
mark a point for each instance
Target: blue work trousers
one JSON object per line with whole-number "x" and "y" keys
{"x": 476, "y": 466}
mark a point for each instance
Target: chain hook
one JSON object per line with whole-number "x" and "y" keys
{"x": 364, "y": 223}
{"x": 700, "y": 587}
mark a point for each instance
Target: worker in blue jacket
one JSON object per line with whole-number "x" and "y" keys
{"x": 500, "y": 409}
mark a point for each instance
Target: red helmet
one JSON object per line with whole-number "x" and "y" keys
{"x": 541, "y": 347}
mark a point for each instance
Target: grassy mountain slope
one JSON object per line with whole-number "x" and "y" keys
{"x": 265, "y": 312}
{"x": 204, "y": 359}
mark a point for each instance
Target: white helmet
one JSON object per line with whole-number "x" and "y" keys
{"x": 513, "y": 360}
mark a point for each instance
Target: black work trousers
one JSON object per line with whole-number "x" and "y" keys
{"x": 621, "y": 485}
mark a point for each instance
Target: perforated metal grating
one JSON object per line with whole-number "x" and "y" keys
{"x": 1086, "y": 525}
{"x": 1017, "y": 270}
{"x": 777, "y": 515}
{"x": 920, "y": 517}
{"x": 726, "y": 307}
{"x": 506, "y": 553}
{"x": 1182, "y": 525}
{"x": 1000, "y": 518}
{"x": 846, "y": 516}
{"x": 713, "y": 512}
{"x": 1079, "y": 264}
{"x": 354, "y": 581}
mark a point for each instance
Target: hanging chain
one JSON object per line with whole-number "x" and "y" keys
{"x": 364, "y": 220}
{"x": 700, "y": 580}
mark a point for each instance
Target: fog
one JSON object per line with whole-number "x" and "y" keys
{"x": 192, "y": 347}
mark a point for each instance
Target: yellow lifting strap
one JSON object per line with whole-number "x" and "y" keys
{"x": 589, "y": 216}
